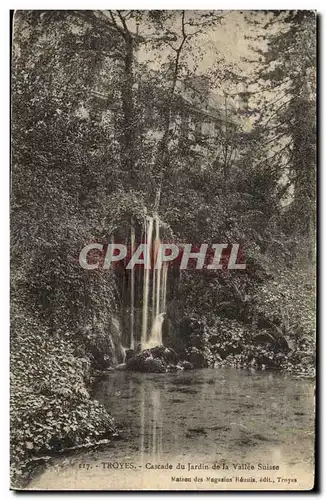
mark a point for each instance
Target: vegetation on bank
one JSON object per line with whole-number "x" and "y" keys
{"x": 51, "y": 407}
{"x": 272, "y": 328}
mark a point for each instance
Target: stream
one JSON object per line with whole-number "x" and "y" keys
{"x": 213, "y": 419}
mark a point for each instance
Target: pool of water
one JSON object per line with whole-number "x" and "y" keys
{"x": 208, "y": 421}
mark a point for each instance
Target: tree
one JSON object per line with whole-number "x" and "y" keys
{"x": 286, "y": 125}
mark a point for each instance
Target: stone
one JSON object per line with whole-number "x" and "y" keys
{"x": 121, "y": 366}
{"x": 153, "y": 365}
{"x": 185, "y": 365}
{"x": 129, "y": 354}
{"x": 106, "y": 361}
{"x": 197, "y": 358}
{"x": 156, "y": 360}
{"x": 275, "y": 338}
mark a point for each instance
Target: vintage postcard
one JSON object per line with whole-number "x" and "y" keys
{"x": 163, "y": 199}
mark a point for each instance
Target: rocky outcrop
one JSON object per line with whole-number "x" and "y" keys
{"x": 121, "y": 366}
{"x": 197, "y": 358}
{"x": 185, "y": 365}
{"x": 129, "y": 354}
{"x": 158, "y": 359}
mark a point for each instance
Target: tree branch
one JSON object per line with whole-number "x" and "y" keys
{"x": 122, "y": 19}
{"x": 117, "y": 27}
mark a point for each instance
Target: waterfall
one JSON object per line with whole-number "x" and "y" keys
{"x": 154, "y": 289}
{"x": 119, "y": 349}
{"x": 157, "y": 271}
{"x": 164, "y": 285}
{"x": 156, "y": 331}
{"x": 154, "y": 284}
{"x": 159, "y": 285}
{"x": 148, "y": 240}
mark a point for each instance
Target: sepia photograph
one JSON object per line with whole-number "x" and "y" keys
{"x": 163, "y": 250}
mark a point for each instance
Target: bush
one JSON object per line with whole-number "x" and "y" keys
{"x": 51, "y": 409}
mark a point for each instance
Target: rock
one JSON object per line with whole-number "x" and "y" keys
{"x": 185, "y": 365}
{"x": 165, "y": 331}
{"x": 156, "y": 360}
{"x": 153, "y": 365}
{"x": 263, "y": 338}
{"x": 197, "y": 358}
{"x": 137, "y": 363}
{"x": 165, "y": 353}
{"x": 217, "y": 361}
{"x": 106, "y": 361}
{"x": 275, "y": 338}
{"x": 172, "y": 368}
{"x": 121, "y": 366}
{"x": 129, "y": 354}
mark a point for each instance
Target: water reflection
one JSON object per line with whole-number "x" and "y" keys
{"x": 203, "y": 417}
{"x": 213, "y": 413}
{"x": 151, "y": 425}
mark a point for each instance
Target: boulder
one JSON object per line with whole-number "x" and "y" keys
{"x": 197, "y": 358}
{"x": 155, "y": 360}
{"x": 121, "y": 366}
{"x": 107, "y": 361}
{"x": 185, "y": 365}
{"x": 129, "y": 354}
{"x": 275, "y": 338}
{"x": 263, "y": 338}
{"x": 155, "y": 365}
{"x": 165, "y": 353}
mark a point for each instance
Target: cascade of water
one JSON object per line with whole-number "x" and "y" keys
{"x": 154, "y": 285}
{"x": 164, "y": 286}
{"x": 132, "y": 290}
{"x": 155, "y": 337}
{"x": 157, "y": 271}
{"x": 158, "y": 290}
{"x": 148, "y": 240}
{"x": 116, "y": 335}
{"x": 123, "y": 353}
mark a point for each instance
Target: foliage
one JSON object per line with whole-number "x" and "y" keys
{"x": 51, "y": 409}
